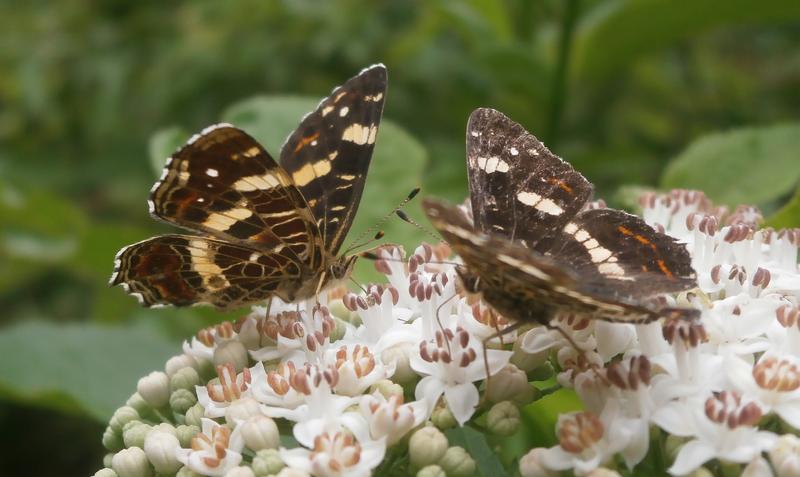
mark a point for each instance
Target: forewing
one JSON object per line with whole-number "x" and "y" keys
{"x": 185, "y": 270}
{"x": 518, "y": 188}
{"x": 521, "y": 282}
{"x": 490, "y": 257}
{"x": 620, "y": 255}
{"x": 222, "y": 182}
{"x": 328, "y": 155}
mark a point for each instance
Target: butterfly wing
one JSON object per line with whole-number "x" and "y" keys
{"x": 518, "y": 188}
{"x": 619, "y": 254}
{"x": 328, "y": 155}
{"x": 525, "y": 285}
{"x": 185, "y": 270}
{"x": 223, "y": 183}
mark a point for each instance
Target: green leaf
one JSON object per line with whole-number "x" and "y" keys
{"x": 78, "y": 367}
{"x": 476, "y": 446}
{"x": 163, "y": 143}
{"x": 540, "y": 417}
{"x": 788, "y": 216}
{"x": 743, "y": 166}
{"x": 616, "y": 32}
{"x": 396, "y": 166}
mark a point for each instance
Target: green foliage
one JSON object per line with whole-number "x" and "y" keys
{"x": 750, "y": 166}
{"x": 618, "y": 31}
{"x": 89, "y": 92}
{"x": 789, "y": 215}
{"x": 475, "y": 444}
{"x": 77, "y": 368}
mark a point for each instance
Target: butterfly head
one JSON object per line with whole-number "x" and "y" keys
{"x": 342, "y": 267}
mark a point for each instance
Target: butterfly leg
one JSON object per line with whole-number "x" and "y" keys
{"x": 581, "y": 352}
{"x": 484, "y": 343}
{"x": 439, "y": 320}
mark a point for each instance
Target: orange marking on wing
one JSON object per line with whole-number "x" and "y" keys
{"x": 561, "y": 184}
{"x": 663, "y": 267}
{"x": 305, "y": 141}
{"x": 644, "y": 241}
{"x": 624, "y": 231}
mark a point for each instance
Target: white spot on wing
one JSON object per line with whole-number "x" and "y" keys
{"x": 343, "y": 111}
{"x": 326, "y": 110}
{"x": 359, "y": 134}
{"x": 212, "y": 172}
{"x": 492, "y": 164}
{"x": 223, "y": 221}
{"x": 251, "y": 183}
{"x": 514, "y": 151}
{"x": 529, "y": 198}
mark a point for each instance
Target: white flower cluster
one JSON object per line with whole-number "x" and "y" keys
{"x": 724, "y": 391}
{"x": 363, "y": 384}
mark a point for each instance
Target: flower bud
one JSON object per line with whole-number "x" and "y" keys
{"x": 339, "y": 330}
{"x": 187, "y": 472}
{"x": 105, "y": 473}
{"x": 700, "y": 472}
{"x": 457, "y": 463}
{"x": 186, "y": 378}
{"x": 112, "y": 440}
{"x": 154, "y": 389}
{"x": 185, "y": 434}
{"x": 387, "y": 388}
{"x": 240, "y": 471}
{"x": 166, "y": 427}
{"x": 160, "y": 447}
{"x": 242, "y": 410}
{"x": 139, "y": 404}
{"x": 756, "y": 468}
{"x": 542, "y": 373}
{"x": 510, "y": 383}
{"x": 181, "y": 400}
{"x": 206, "y": 369}
{"x": 503, "y": 419}
{"x": 179, "y": 362}
{"x": 131, "y": 462}
{"x": 426, "y": 447}
{"x": 400, "y": 355}
{"x": 134, "y": 432}
{"x": 531, "y": 464}
{"x": 431, "y": 471}
{"x": 603, "y": 472}
{"x": 232, "y": 352}
{"x": 107, "y": 459}
{"x": 442, "y": 417}
{"x": 194, "y": 415}
{"x": 338, "y": 310}
{"x": 260, "y": 432}
{"x": 527, "y": 361}
{"x": 289, "y": 472}
{"x": 121, "y": 417}
{"x": 267, "y": 462}
{"x": 785, "y": 456}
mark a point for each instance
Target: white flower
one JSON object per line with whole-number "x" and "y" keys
{"x": 586, "y": 441}
{"x": 722, "y": 426}
{"x": 322, "y": 410}
{"x": 389, "y": 417}
{"x": 214, "y": 451}
{"x": 216, "y": 397}
{"x": 275, "y": 387}
{"x": 357, "y": 367}
{"x": 451, "y": 365}
{"x": 773, "y": 383}
{"x": 338, "y": 454}
{"x": 785, "y": 456}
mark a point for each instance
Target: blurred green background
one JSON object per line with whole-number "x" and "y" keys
{"x": 94, "y": 96}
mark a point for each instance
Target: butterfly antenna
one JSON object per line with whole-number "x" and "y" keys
{"x": 356, "y": 243}
{"x": 405, "y": 218}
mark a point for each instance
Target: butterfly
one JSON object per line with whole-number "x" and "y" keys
{"x": 260, "y": 228}
{"x": 534, "y": 247}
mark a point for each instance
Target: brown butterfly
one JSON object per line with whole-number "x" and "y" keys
{"x": 533, "y": 248}
{"x": 261, "y": 228}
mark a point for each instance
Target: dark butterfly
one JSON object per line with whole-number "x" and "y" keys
{"x": 534, "y": 248}
{"x": 262, "y": 229}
